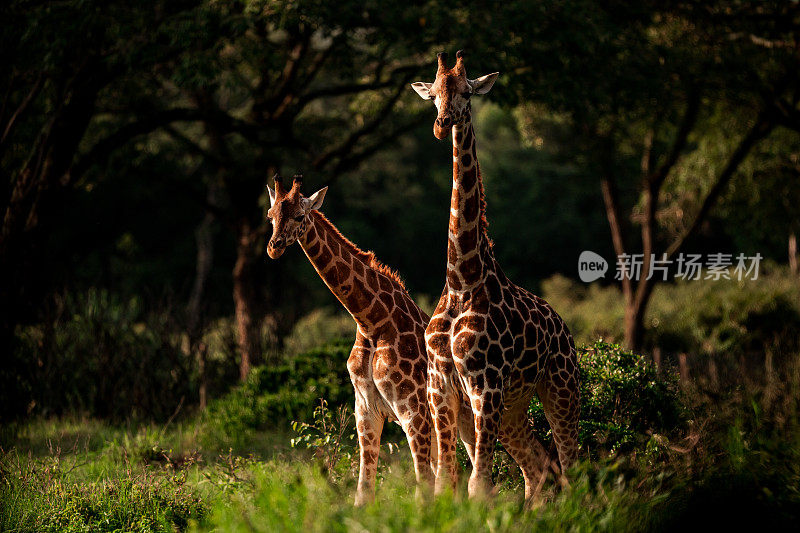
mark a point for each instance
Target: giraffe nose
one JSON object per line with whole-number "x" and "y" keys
{"x": 444, "y": 122}
{"x": 276, "y": 242}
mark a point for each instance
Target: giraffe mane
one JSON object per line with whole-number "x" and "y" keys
{"x": 483, "y": 224}
{"x": 368, "y": 257}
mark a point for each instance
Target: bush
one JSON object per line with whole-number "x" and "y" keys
{"x": 275, "y": 395}
{"x": 320, "y": 326}
{"x": 105, "y": 357}
{"x": 750, "y": 324}
{"x": 625, "y": 402}
{"x": 728, "y": 317}
{"x": 591, "y": 312}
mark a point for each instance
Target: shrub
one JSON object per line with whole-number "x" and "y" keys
{"x": 105, "y": 357}
{"x": 625, "y": 402}
{"x": 738, "y": 319}
{"x": 318, "y": 327}
{"x": 275, "y": 395}
{"x": 331, "y": 437}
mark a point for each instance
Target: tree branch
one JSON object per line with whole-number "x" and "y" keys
{"x": 347, "y": 163}
{"x": 283, "y": 95}
{"x": 367, "y": 128}
{"x": 351, "y": 88}
{"x": 127, "y": 132}
{"x": 762, "y": 127}
{"x": 652, "y": 192}
{"x": 34, "y": 92}
{"x": 787, "y": 115}
{"x": 192, "y": 145}
{"x": 679, "y": 143}
{"x": 611, "y": 200}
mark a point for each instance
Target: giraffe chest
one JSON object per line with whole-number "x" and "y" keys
{"x": 489, "y": 337}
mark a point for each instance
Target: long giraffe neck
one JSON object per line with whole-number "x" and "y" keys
{"x": 363, "y": 286}
{"x": 468, "y": 247}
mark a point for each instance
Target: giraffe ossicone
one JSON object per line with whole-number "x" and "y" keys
{"x": 490, "y": 342}
{"x": 388, "y": 362}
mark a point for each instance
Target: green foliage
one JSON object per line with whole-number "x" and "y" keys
{"x": 331, "y": 436}
{"x": 701, "y": 317}
{"x": 591, "y": 312}
{"x": 320, "y": 326}
{"x": 559, "y": 202}
{"x": 105, "y": 357}
{"x": 626, "y": 404}
{"x": 274, "y": 395}
{"x": 738, "y": 319}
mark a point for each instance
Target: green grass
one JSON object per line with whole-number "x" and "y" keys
{"x": 287, "y": 497}
{"x": 82, "y": 475}
{"x": 653, "y": 458}
{"x": 124, "y": 485}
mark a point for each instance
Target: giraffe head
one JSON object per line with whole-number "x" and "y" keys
{"x": 451, "y": 91}
{"x": 289, "y": 213}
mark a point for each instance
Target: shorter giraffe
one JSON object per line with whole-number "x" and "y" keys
{"x": 388, "y": 364}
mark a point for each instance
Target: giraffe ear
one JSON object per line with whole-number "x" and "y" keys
{"x": 483, "y": 84}
{"x": 423, "y": 89}
{"x": 271, "y": 196}
{"x": 315, "y": 200}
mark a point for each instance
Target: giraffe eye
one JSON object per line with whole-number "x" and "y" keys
{"x": 466, "y": 95}
{"x": 299, "y": 218}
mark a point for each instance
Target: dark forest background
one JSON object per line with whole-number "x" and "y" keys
{"x": 137, "y": 140}
{"x": 159, "y": 373}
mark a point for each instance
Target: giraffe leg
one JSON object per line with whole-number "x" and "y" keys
{"x": 443, "y": 402}
{"x": 516, "y": 435}
{"x": 487, "y": 407}
{"x": 560, "y": 396}
{"x": 466, "y": 430}
{"x": 418, "y": 433}
{"x": 369, "y": 426}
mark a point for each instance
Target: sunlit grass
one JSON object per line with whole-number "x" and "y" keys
{"x": 740, "y": 449}
{"x": 151, "y": 479}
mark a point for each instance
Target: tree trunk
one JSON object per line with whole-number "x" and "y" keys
{"x": 244, "y": 299}
{"x": 634, "y": 325}
{"x": 31, "y": 192}
{"x": 636, "y": 303}
{"x": 793, "y": 253}
{"x": 204, "y": 237}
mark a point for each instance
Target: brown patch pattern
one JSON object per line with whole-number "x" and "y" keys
{"x": 388, "y": 362}
{"x": 491, "y": 343}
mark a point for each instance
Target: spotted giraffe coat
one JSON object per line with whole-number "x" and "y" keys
{"x": 490, "y": 342}
{"x": 388, "y": 362}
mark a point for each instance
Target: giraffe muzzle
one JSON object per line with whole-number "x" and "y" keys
{"x": 275, "y": 248}
{"x": 442, "y": 126}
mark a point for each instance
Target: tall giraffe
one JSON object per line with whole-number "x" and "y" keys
{"x": 388, "y": 362}
{"x": 490, "y": 341}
